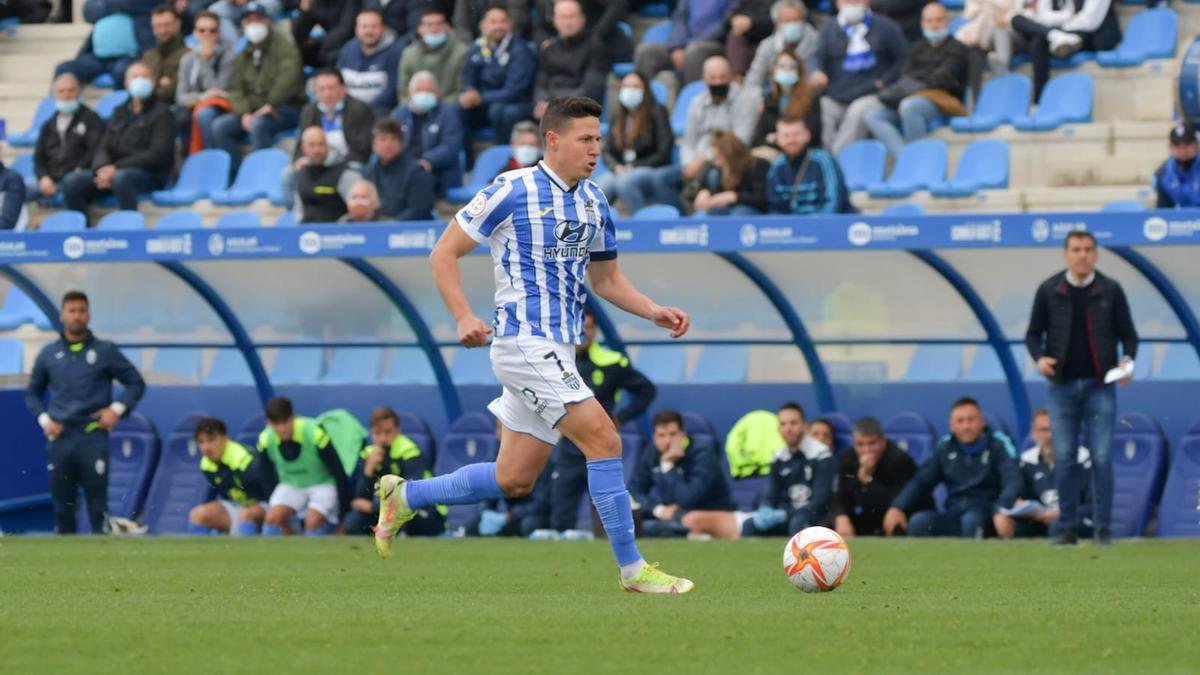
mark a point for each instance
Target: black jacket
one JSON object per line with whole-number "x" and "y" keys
{"x": 56, "y": 156}
{"x": 940, "y": 66}
{"x": 145, "y": 141}
{"x": 357, "y": 118}
{"x": 337, "y": 17}
{"x": 906, "y": 13}
{"x": 865, "y": 505}
{"x": 1108, "y": 322}
{"x": 697, "y": 482}
{"x": 759, "y": 12}
{"x": 651, "y": 148}
{"x": 576, "y": 66}
{"x": 405, "y": 188}
{"x": 752, "y": 191}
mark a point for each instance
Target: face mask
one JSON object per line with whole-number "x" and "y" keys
{"x": 141, "y": 88}
{"x": 526, "y": 155}
{"x": 786, "y": 78}
{"x": 936, "y": 35}
{"x": 423, "y": 101}
{"x": 718, "y": 91}
{"x": 631, "y": 97}
{"x": 851, "y": 14}
{"x": 792, "y": 31}
{"x": 256, "y": 32}
{"x": 435, "y": 40}
{"x": 67, "y": 107}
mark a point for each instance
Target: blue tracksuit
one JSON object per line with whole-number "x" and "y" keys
{"x": 801, "y": 483}
{"x": 696, "y": 483}
{"x": 1176, "y": 187}
{"x": 371, "y": 78}
{"x": 79, "y": 377}
{"x": 504, "y": 77}
{"x": 822, "y": 188}
{"x": 1037, "y": 484}
{"x": 437, "y": 137}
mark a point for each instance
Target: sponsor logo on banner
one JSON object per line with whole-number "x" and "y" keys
{"x": 778, "y": 235}
{"x": 21, "y": 249}
{"x": 1040, "y": 230}
{"x": 76, "y": 247}
{"x": 312, "y": 243}
{"x": 624, "y": 235}
{"x": 421, "y": 240}
{"x": 1157, "y": 229}
{"x": 174, "y": 244}
{"x": 684, "y": 235}
{"x": 73, "y": 247}
{"x": 859, "y": 234}
{"x": 748, "y": 235}
{"x": 216, "y": 245}
{"x": 981, "y": 231}
{"x": 1058, "y": 230}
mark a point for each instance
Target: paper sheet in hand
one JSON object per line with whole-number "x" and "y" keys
{"x": 1122, "y": 371}
{"x": 1025, "y": 510}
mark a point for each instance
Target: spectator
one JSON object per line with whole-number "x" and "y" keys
{"x": 572, "y": 64}
{"x": 1177, "y": 181}
{"x": 734, "y": 182}
{"x": 1078, "y": 319}
{"x": 136, "y": 154}
{"x": 437, "y": 52}
{"x": 790, "y": 95}
{"x": 1060, "y": 28}
{"x": 237, "y": 479}
{"x": 163, "y": 59}
{"x": 1035, "y": 512}
{"x": 204, "y": 78}
{"x": 432, "y": 130}
{"x": 406, "y": 187}
{"x": 468, "y": 16}
{"x": 859, "y": 54}
{"x": 267, "y": 89}
{"x": 677, "y": 480}
{"x": 611, "y": 377}
{"x": 370, "y": 62}
{"x": 13, "y": 214}
{"x": 639, "y": 141}
{"x": 800, "y": 484}
{"x": 322, "y": 185}
{"x": 804, "y": 180}
{"x": 724, "y": 106}
{"x": 390, "y": 452}
{"x": 402, "y": 16}
{"x": 793, "y": 35}
{"x": 120, "y": 31}
{"x": 697, "y": 34}
{"x": 979, "y": 469}
{"x": 869, "y": 476}
{"x": 336, "y": 17}
{"x": 346, "y": 120}
{"x": 526, "y": 142}
{"x": 906, "y": 14}
{"x": 604, "y": 18}
{"x": 822, "y": 430}
{"x": 498, "y": 78}
{"x": 231, "y": 13}
{"x": 748, "y": 23}
{"x": 312, "y": 484}
{"x": 77, "y": 370}
{"x": 988, "y": 29}
{"x": 67, "y": 141}
{"x": 931, "y": 88}
{"x": 362, "y": 205}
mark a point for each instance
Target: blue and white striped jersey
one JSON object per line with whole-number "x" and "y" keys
{"x": 542, "y": 236}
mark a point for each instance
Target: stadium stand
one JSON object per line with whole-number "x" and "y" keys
{"x": 913, "y": 434}
{"x": 202, "y": 174}
{"x": 257, "y": 178}
{"x": 863, "y": 163}
{"x": 921, "y": 166}
{"x": 1066, "y": 99}
{"x": 353, "y": 365}
{"x": 983, "y": 166}
{"x": 1177, "y": 512}
{"x": 177, "y": 485}
{"x": 472, "y": 438}
{"x": 122, "y": 220}
{"x": 64, "y": 221}
{"x": 1002, "y": 100}
{"x": 1139, "y": 454}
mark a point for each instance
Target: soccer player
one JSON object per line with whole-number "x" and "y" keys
{"x": 237, "y": 476}
{"x": 311, "y": 478}
{"x": 390, "y": 452}
{"x": 548, "y": 226}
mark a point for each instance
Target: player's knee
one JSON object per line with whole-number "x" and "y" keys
{"x": 253, "y": 514}
{"x": 197, "y": 514}
{"x": 605, "y": 444}
{"x": 313, "y": 520}
{"x": 277, "y": 517}
{"x": 515, "y": 487}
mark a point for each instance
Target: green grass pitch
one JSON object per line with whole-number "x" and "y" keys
{"x": 220, "y": 605}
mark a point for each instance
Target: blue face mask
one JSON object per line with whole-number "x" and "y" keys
{"x": 435, "y": 40}
{"x": 423, "y": 101}
{"x": 67, "y": 107}
{"x": 631, "y": 97}
{"x": 936, "y": 35}
{"x": 786, "y": 78}
{"x": 526, "y": 155}
{"x": 792, "y": 31}
{"x": 141, "y": 88}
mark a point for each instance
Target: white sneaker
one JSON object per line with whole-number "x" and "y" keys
{"x": 1063, "y": 44}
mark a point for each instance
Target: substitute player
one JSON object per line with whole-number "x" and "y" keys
{"x": 239, "y": 479}
{"x": 548, "y": 226}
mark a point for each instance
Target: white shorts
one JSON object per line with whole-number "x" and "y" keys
{"x": 234, "y": 511}
{"x": 320, "y": 498}
{"x": 539, "y": 379}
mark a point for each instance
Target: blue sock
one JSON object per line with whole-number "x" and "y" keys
{"x": 195, "y": 530}
{"x": 271, "y": 531}
{"x": 470, "y": 484}
{"x": 247, "y": 528}
{"x": 606, "y": 483}
{"x": 324, "y": 530}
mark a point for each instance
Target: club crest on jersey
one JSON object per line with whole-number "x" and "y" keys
{"x": 571, "y": 380}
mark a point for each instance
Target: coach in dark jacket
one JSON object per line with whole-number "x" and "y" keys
{"x": 405, "y": 188}
{"x": 1079, "y": 317}
{"x": 870, "y": 476}
{"x": 68, "y": 140}
{"x": 676, "y": 474}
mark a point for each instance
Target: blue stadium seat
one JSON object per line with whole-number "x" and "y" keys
{"x": 656, "y": 212}
{"x": 122, "y": 220}
{"x": 631, "y": 449}
{"x": 1123, "y": 206}
{"x": 131, "y": 464}
{"x": 298, "y": 365}
{"x": 1002, "y": 100}
{"x": 28, "y": 138}
{"x": 235, "y": 219}
{"x": 64, "y": 221}
{"x": 472, "y": 439}
{"x": 180, "y": 220}
{"x": 1149, "y": 35}
{"x": 622, "y": 69}
{"x": 184, "y": 362}
{"x": 721, "y": 364}
{"x": 247, "y": 435}
{"x": 698, "y": 427}
{"x": 653, "y": 10}
{"x": 746, "y": 491}
{"x": 983, "y": 166}
{"x": 998, "y": 424}
{"x": 683, "y": 101}
{"x": 1066, "y": 99}
{"x": 1178, "y": 512}
{"x": 12, "y": 356}
{"x": 488, "y": 164}
{"x": 1139, "y": 459}
{"x": 903, "y": 210}
{"x": 109, "y": 103}
{"x": 472, "y": 366}
{"x": 178, "y": 483}
{"x": 1179, "y": 363}
{"x": 23, "y": 166}
{"x": 288, "y": 219}
{"x": 229, "y": 368}
{"x": 258, "y": 177}
{"x": 202, "y": 174}
{"x": 19, "y": 309}
{"x": 663, "y": 364}
{"x": 659, "y": 33}
{"x": 353, "y": 365}
{"x": 913, "y": 433}
{"x": 843, "y": 429}
{"x": 863, "y": 163}
{"x": 416, "y": 428}
{"x": 935, "y": 363}
{"x": 408, "y": 365}
{"x": 921, "y": 165}
{"x": 103, "y": 81}
{"x": 659, "y": 90}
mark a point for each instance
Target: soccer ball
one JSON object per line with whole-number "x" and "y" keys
{"x": 816, "y": 560}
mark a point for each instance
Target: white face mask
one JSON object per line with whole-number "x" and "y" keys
{"x": 256, "y": 32}
{"x": 851, "y": 14}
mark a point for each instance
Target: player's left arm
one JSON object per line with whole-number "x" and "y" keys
{"x": 609, "y": 282}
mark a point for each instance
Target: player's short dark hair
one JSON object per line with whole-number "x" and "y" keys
{"x": 965, "y": 401}
{"x": 1039, "y": 412}
{"x": 164, "y": 9}
{"x": 389, "y": 127}
{"x": 665, "y": 417}
{"x": 792, "y": 405}
{"x": 1078, "y": 234}
{"x": 371, "y": 10}
{"x": 384, "y": 413}
{"x": 279, "y": 409}
{"x": 331, "y": 72}
{"x": 791, "y": 119}
{"x": 434, "y": 9}
{"x": 496, "y": 6}
{"x": 205, "y": 14}
{"x": 869, "y": 427}
{"x": 74, "y": 296}
{"x": 560, "y": 112}
{"x": 210, "y": 426}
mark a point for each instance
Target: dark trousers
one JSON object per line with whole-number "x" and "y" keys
{"x": 88, "y": 66}
{"x": 966, "y": 523}
{"x": 568, "y": 484}
{"x": 77, "y": 460}
{"x": 226, "y": 132}
{"x": 128, "y": 184}
{"x": 1039, "y": 48}
{"x": 500, "y": 117}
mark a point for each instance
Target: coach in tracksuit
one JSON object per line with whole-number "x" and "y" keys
{"x": 608, "y": 373}
{"x": 78, "y": 371}
{"x": 979, "y": 469}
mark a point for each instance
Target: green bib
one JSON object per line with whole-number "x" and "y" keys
{"x": 306, "y": 469}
